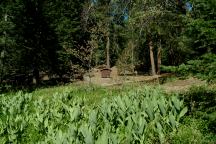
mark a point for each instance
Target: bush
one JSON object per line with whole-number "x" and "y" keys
{"x": 201, "y": 102}
{"x": 203, "y": 68}
{"x": 192, "y": 131}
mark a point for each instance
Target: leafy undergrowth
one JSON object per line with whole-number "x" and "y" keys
{"x": 202, "y": 104}
{"x": 203, "y": 68}
{"x": 199, "y": 126}
{"x": 193, "y": 131}
{"x": 122, "y": 114}
{"x": 144, "y": 115}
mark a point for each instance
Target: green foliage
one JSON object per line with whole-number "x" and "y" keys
{"x": 64, "y": 39}
{"x": 198, "y": 126}
{"x": 9, "y": 56}
{"x": 33, "y": 38}
{"x": 199, "y": 36}
{"x": 203, "y": 68}
{"x": 65, "y": 19}
{"x": 201, "y": 102}
{"x": 192, "y": 132}
{"x": 140, "y": 116}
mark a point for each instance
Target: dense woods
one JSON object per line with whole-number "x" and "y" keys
{"x": 65, "y": 39}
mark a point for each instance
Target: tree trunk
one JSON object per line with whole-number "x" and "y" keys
{"x": 36, "y": 76}
{"x": 132, "y": 54}
{"x": 152, "y": 57}
{"x": 1, "y": 67}
{"x": 2, "y": 53}
{"x": 159, "y": 58}
{"x": 107, "y": 52}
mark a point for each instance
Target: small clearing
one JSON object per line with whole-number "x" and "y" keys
{"x": 182, "y": 85}
{"x": 173, "y": 86}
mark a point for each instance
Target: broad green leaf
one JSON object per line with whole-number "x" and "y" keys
{"x": 87, "y": 134}
{"x": 103, "y": 139}
{"x": 162, "y": 108}
{"x": 172, "y": 121}
{"x": 182, "y": 113}
{"x": 176, "y": 103}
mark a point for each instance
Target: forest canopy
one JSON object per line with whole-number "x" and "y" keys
{"x": 67, "y": 38}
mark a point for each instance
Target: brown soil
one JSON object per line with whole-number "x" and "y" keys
{"x": 178, "y": 85}
{"x": 182, "y": 85}
{"x": 95, "y": 78}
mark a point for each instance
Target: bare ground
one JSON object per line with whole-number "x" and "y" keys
{"x": 173, "y": 86}
{"x": 182, "y": 85}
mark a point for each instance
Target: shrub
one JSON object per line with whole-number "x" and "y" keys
{"x": 201, "y": 102}
{"x": 203, "y": 68}
{"x": 192, "y": 131}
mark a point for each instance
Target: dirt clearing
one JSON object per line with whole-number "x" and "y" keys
{"x": 182, "y": 85}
